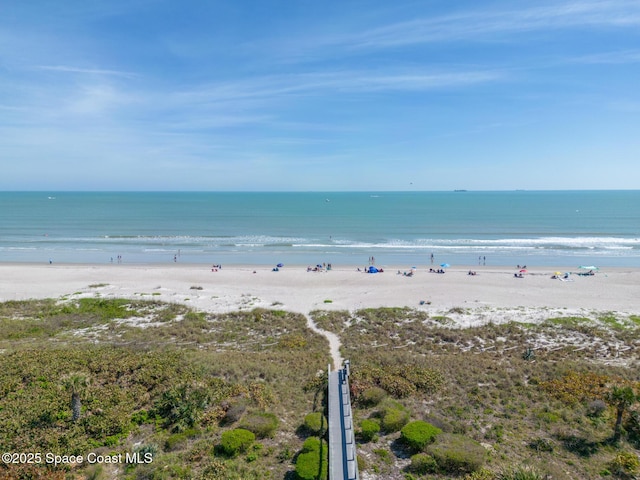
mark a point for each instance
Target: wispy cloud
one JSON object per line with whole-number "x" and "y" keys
{"x": 611, "y": 58}
{"x": 320, "y": 83}
{"x": 490, "y": 24}
{"x": 88, "y": 71}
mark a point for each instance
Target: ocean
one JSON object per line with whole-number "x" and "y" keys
{"x": 534, "y": 228}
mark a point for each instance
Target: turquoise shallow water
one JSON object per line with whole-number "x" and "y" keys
{"x": 500, "y": 228}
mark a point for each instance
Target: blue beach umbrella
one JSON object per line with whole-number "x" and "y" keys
{"x": 280, "y": 265}
{"x": 445, "y": 265}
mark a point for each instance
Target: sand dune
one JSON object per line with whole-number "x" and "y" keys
{"x": 494, "y": 294}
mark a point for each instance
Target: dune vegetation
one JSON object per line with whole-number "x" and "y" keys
{"x": 140, "y": 389}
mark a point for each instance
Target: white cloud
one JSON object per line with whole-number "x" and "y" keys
{"x": 89, "y": 71}
{"x": 611, "y": 58}
{"x": 481, "y": 24}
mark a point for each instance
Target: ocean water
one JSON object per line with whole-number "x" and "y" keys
{"x": 536, "y": 228}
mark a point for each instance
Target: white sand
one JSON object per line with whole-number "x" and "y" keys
{"x": 493, "y": 295}
{"x": 294, "y": 289}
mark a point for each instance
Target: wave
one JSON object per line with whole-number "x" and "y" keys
{"x": 543, "y": 245}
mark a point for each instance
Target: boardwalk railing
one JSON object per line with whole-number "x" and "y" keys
{"x": 343, "y": 463}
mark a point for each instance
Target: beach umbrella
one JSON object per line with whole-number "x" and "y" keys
{"x": 280, "y": 265}
{"x": 588, "y": 267}
{"x": 524, "y": 270}
{"x": 445, "y": 265}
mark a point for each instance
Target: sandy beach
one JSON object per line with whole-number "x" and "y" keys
{"x": 493, "y": 294}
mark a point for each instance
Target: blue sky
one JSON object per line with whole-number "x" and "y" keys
{"x": 308, "y": 95}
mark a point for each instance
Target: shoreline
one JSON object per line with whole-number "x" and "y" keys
{"x": 493, "y": 294}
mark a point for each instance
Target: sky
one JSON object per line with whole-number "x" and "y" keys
{"x": 301, "y": 95}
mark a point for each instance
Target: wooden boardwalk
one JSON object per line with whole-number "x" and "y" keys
{"x": 343, "y": 464}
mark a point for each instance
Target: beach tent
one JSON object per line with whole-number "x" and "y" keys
{"x": 372, "y": 270}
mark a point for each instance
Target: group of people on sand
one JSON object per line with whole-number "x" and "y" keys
{"x": 319, "y": 268}
{"x": 587, "y": 274}
{"x": 440, "y": 270}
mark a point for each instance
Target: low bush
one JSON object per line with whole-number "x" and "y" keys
{"x": 312, "y": 462}
{"x": 236, "y": 441}
{"x": 262, "y": 424}
{"x": 625, "y": 465}
{"x": 311, "y": 444}
{"x": 394, "y": 419}
{"x": 521, "y": 473}
{"x": 421, "y": 463}
{"x": 369, "y": 429}
{"x": 372, "y": 396}
{"x": 177, "y": 439}
{"x": 315, "y": 423}
{"x": 417, "y": 435}
{"x": 182, "y": 406}
{"x": 457, "y": 454}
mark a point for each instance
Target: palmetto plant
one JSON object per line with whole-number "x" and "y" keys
{"x": 76, "y": 384}
{"x": 621, "y": 398}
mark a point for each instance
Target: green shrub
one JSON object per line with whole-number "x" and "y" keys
{"x": 141, "y": 417}
{"x": 625, "y": 465}
{"x": 179, "y": 438}
{"x": 182, "y": 406}
{"x": 482, "y": 474}
{"x": 394, "y": 419}
{"x": 521, "y": 473}
{"x": 261, "y": 423}
{"x": 236, "y": 441}
{"x": 315, "y": 423}
{"x": 457, "y": 454}
{"x": 174, "y": 440}
{"x": 419, "y": 434}
{"x": 311, "y": 444}
{"x": 421, "y": 463}
{"x": 369, "y": 429}
{"x": 313, "y": 462}
{"x": 372, "y": 396}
